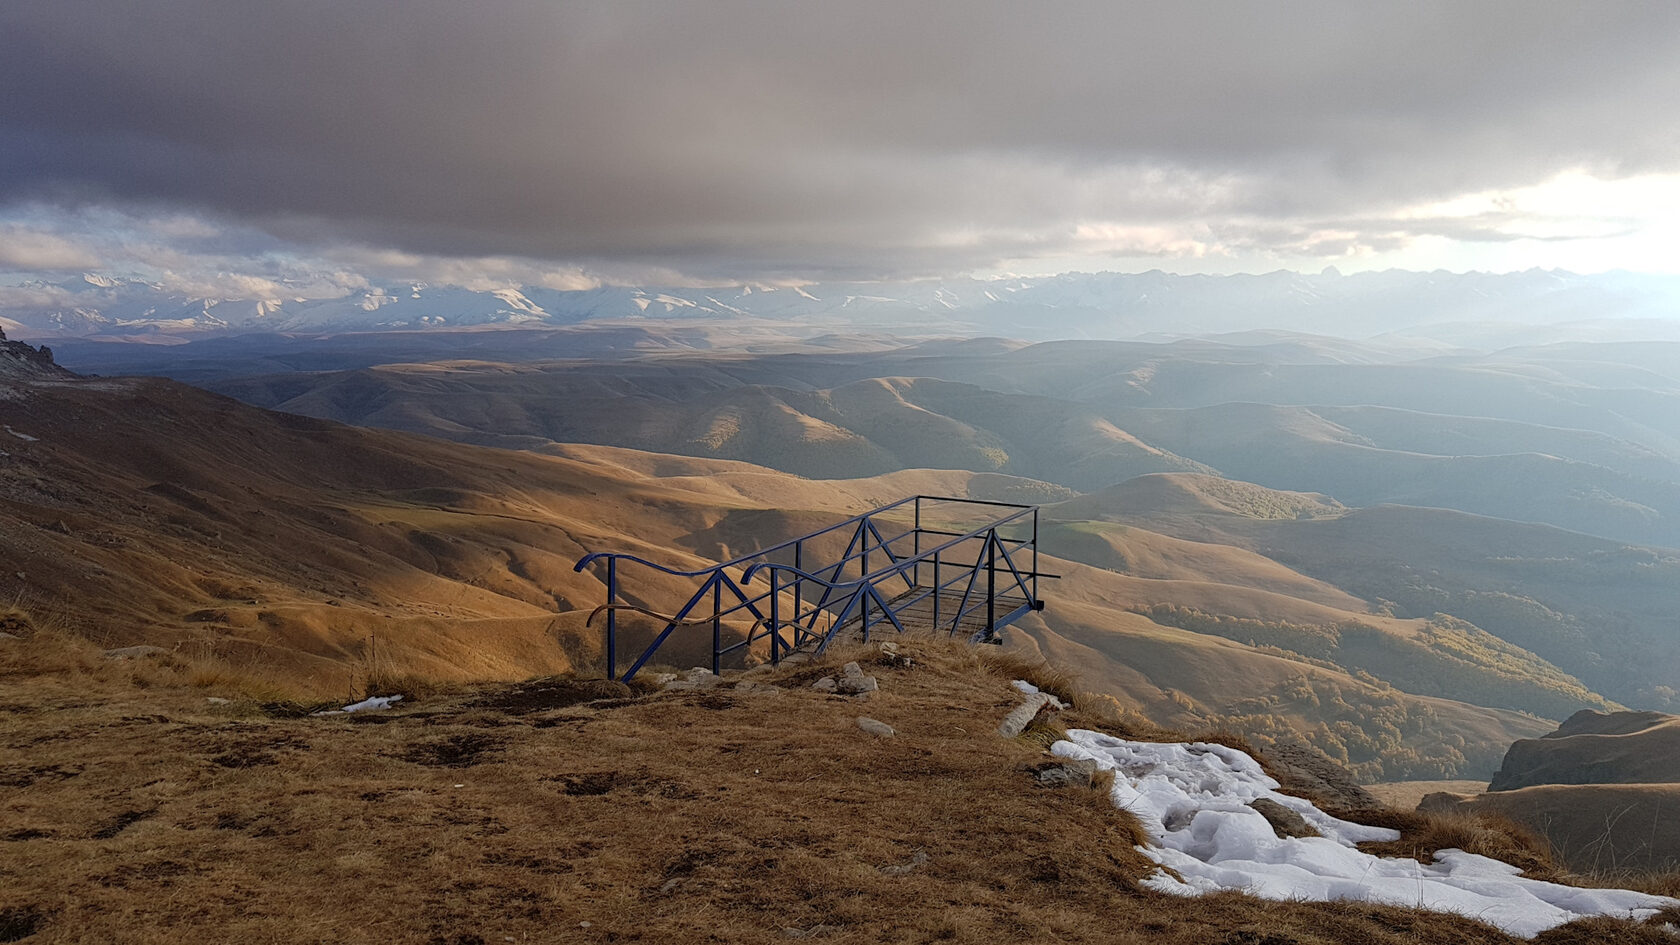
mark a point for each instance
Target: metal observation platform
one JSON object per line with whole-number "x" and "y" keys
{"x": 963, "y": 567}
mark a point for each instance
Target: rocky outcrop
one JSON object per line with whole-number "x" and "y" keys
{"x": 1308, "y": 772}
{"x": 1596, "y": 748}
{"x": 20, "y": 360}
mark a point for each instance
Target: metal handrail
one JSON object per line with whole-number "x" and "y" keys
{"x": 840, "y": 598}
{"x": 889, "y": 570}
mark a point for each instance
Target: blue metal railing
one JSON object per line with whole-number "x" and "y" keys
{"x": 872, "y": 597}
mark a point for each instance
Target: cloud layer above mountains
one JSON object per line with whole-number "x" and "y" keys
{"x": 806, "y": 140}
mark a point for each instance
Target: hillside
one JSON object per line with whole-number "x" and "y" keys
{"x": 146, "y": 512}
{"x": 1602, "y": 611}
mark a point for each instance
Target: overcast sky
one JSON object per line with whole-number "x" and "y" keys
{"x": 323, "y": 142}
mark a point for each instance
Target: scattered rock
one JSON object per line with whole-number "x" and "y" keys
{"x": 218, "y": 700}
{"x": 1022, "y": 715}
{"x": 132, "y": 652}
{"x": 1068, "y": 773}
{"x": 825, "y": 684}
{"x": 852, "y": 670}
{"x": 890, "y": 656}
{"x": 908, "y": 866}
{"x": 756, "y": 688}
{"x": 1308, "y": 772}
{"x": 1285, "y": 822}
{"x": 697, "y": 678}
{"x": 853, "y": 685}
{"x": 875, "y": 727}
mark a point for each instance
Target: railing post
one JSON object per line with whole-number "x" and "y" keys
{"x": 775, "y": 620}
{"x": 612, "y": 618}
{"x": 863, "y": 565}
{"x": 717, "y": 626}
{"x": 1035, "y": 559}
{"x": 916, "y": 546}
{"x": 799, "y": 582}
{"x": 991, "y": 583}
{"x": 863, "y": 604}
{"x": 936, "y": 592}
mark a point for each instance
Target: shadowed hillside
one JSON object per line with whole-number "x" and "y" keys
{"x": 1578, "y": 436}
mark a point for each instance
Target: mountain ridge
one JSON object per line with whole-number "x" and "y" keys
{"x": 1103, "y": 304}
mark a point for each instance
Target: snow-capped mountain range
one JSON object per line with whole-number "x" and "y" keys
{"x": 1070, "y": 305}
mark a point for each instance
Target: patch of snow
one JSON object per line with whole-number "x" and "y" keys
{"x": 22, "y": 436}
{"x": 1193, "y": 798}
{"x": 1025, "y": 687}
{"x": 373, "y": 702}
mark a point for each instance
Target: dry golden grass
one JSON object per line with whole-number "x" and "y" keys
{"x": 1422, "y": 834}
{"x": 480, "y": 814}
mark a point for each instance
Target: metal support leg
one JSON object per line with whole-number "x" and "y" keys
{"x": 612, "y": 618}
{"x": 775, "y": 620}
{"x": 991, "y": 584}
{"x": 799, "y": 586}
{"x": 717, "y": 627}
{"x": 936, "y": 592}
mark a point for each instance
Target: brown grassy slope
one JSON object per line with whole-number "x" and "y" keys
{"x": 148, "y": 816}
{"x": 149, "y": 512}
{"x": 1150, "y": 555}
{"x": 1192, "y": 680}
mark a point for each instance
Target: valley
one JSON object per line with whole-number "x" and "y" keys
{"x": 1406, "y": 642}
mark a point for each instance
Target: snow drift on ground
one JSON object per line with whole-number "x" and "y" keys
{"x": 372, "y": 702}
{"x": 1193, "y": 800}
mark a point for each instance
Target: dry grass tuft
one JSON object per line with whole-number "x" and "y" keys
{"x": 1423, "y": 834}
{"x": 1606, "y": 932}
{"x": 1044, "y": 730}
{"x": 51, "y": 652}
{"x": 16, "y": 621}
{"x": 1057, "y": 681}
{"x": 1229, "y": 739}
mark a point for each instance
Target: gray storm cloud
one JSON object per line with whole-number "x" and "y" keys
{"x": 813, "y": 138}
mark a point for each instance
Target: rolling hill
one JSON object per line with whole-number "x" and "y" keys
{"x": 1565, "y": 435}
{"x": 144, "y": 512}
